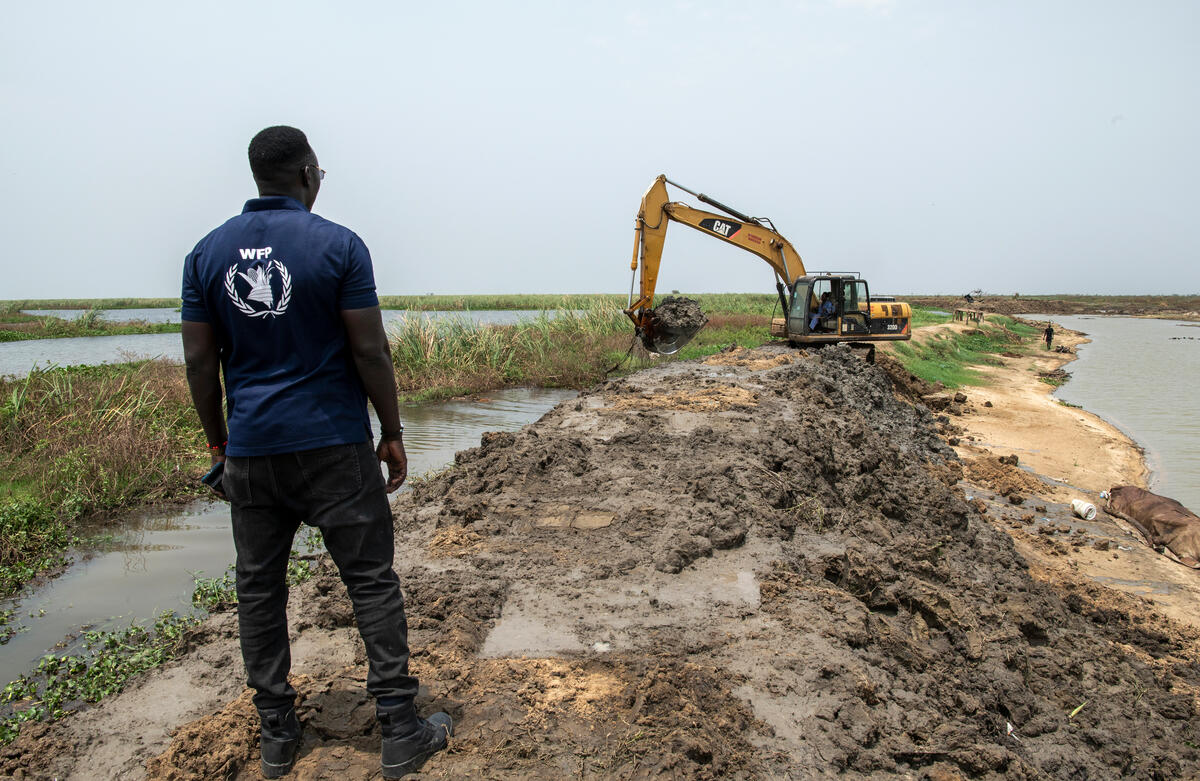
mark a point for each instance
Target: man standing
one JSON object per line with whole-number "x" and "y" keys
{"x": 1048, "y": 335}
{"x": 284, "y": 303}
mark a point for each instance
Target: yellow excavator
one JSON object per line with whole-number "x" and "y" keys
{"x": 818, "y": 308}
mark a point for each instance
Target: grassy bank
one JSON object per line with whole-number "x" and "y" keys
{"x": 17, "y": 326}
{"x": 729, "y": 303}
{"x": 571, "y": 348}
{"x": 948, "y": 357}
{"x": 17, "y": 304}
{"x": 84, "y": 441}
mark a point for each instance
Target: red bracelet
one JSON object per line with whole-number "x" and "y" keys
{"x": 218, "y": 447}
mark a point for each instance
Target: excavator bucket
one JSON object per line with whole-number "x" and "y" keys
{"x": 667, "y": 340}
{"x": 673, "y": 323}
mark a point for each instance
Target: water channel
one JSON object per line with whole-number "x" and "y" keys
{"x": 149, "y": 564}
{"x": 1143, "y": 376}
{"x": 18, "y": 358}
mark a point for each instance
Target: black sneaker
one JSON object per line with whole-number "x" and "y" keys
{"x": 278, "y": 741}
{"x": 409, "y": 740}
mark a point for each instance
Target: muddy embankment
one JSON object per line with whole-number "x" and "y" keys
{"x": 1168, "y": 307}
{"x": 756, "y": 566}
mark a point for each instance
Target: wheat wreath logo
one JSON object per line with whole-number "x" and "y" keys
{"x": 259, "y": 277}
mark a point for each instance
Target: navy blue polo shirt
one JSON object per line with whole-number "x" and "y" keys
{"x": 273, "y": 282}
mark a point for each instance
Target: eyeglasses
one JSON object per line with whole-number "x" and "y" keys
{"x": 320, "y": 172}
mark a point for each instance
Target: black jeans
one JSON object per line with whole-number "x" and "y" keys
{"x": 340, "y": 491}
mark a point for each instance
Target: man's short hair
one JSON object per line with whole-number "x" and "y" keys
{"x": 277, "y": 149}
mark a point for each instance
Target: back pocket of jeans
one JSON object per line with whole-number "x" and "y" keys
{"x": 331, "y": 472}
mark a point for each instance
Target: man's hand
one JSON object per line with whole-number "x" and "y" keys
{"x": 220, "y": 492}
{"x": 391, "y": 452}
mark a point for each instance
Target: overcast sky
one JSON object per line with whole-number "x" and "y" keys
{"x": 483, "y": 147}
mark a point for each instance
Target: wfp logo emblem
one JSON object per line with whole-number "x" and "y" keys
{"x": 260, "y": 277}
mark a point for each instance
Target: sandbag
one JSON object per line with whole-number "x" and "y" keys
{"x": 1164, "y": 522}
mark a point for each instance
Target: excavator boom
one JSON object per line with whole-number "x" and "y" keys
{"x": 650, "y": 232}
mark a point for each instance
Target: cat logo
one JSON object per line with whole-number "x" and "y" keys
{"x": 723, "y": 228}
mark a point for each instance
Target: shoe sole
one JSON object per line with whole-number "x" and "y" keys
{"x": 274, "y": 771}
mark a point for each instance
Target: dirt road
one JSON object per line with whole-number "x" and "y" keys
{"x": 758, "y": 566}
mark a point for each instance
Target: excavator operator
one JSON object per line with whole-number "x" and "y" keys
{"x": 827, "y": 309}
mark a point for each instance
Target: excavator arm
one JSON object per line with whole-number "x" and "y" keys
{"x": 650, "y": 231}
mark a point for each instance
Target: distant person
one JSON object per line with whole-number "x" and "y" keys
{"x": 1048, "y": 335}
{"x": 283, "y": 302}
{"x": 826, "y": 309}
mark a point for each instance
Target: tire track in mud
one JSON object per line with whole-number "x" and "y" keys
{"x": 755, "y": 566}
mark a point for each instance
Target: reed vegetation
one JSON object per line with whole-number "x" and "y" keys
{"x": 84, "y": 441}
{"x": 17, "y": 326}
{"x": 17, "y": 304}
{"x": 740, "y": 303}
{"x": 563, "y": 348}
{"x": 572, "y": 347}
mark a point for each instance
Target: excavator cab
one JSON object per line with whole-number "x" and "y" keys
{"x": 857, "y": 316}
{"x": 851, "y": 300}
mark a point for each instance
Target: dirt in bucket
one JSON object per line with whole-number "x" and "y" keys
{"x": 679, "y": 312}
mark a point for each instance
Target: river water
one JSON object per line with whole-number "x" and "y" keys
{"x": 1143, "y": 376}
{"x": 18, "y": 358}
{"x": 149, "y": 564}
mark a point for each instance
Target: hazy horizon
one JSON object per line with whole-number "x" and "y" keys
{"x": 488, "y": 149}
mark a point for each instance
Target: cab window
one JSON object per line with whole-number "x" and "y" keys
{"x": 855, "y": 293}
{"x": 820, "y": 288}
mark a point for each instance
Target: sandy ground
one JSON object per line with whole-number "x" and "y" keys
{"x": 1063, "y": 453}
{"x": 1063, "y": 443}
{"x": 765, "y": 565}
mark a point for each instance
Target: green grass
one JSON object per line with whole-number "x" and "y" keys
{"x": 728, "y": 303}
{"x": 16, "y": 326}
{"x": 84, "y": 442}
{"x": 949, "y": 358}
{"x": 32, "y": 538}
{"x": 570, "y": 348}
{"x": 17, "y": 304}
{"x": 560, "y": 350}
{"x": 922, "y": 317}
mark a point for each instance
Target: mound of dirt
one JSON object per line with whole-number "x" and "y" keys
{"x": 1003, "y": 476}
{"x": 749, "y": 359}
{"x": 907, "y": 385}
{"x": 792, "y": 589}
{"x": 702, "y": 400}
{"x": 679, "y": 312}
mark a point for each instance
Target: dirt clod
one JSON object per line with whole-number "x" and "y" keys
{"x": 679, "y": 312}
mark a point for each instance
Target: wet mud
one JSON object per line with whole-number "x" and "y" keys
{"x": 679, "y": 312}
{"x": 759, "y": 565}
